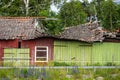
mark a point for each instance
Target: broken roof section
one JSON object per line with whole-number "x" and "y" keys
{"x": 26, "y": 27}
{"x": 29, "y": 28}
{"x": 88, "y": 32}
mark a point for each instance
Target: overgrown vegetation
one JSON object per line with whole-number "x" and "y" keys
{"x": 80, "y": 64}
{"x": 74, "y": 73}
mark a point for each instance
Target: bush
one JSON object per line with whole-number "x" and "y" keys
{"x": 61, "y": 64}
{"x": 97, "y": 64}
{"x": 110, "y": 64}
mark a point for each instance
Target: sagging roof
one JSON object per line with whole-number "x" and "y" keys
{"x": 88, "y": 32}
{"x": 25, "y": 27}
{"x": 112, "y": 36}
{"x": 29, "y": 28}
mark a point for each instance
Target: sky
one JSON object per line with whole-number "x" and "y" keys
{"x": 53, "y": 8}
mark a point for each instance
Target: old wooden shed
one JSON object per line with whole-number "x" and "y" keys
{"x": 23, "y": 42}
{"x": 87, "y": 45}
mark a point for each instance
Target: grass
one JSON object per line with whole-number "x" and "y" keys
{"x": 59, "y": 74}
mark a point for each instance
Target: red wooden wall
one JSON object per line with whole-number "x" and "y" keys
{"x": 28, "y": 44}
{"x": 39, "y": 42}
{"x": 7, "y": 44}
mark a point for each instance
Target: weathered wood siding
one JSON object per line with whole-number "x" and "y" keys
{"x": 72, "y": 51}
{"x": 86, "y": 54}
{"x": 30, "y": 44}
{"x": 106, "y": 52}
{"x": 16, "y": 57}
{"x": 39, "y": 42}
{"x": 6, "y": 44}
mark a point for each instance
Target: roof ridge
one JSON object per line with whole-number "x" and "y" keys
{"x": 4, "y": 17}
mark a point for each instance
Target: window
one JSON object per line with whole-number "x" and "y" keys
{"x": 41, "y": 54}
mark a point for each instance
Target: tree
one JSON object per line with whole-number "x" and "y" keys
{"x": 25, "y": 7}
{"x": 98, "y": 7}
{"x": 53, "y": 27}
{"x": 109, "y": 15}
{"x": 118, "y": 11}
{"x": 11, "y": 8}
{"x": 89, "y": 9}
{"x": 72, "y": 13}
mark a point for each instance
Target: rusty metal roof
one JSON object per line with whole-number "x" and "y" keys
{"x": 27, "y": 27}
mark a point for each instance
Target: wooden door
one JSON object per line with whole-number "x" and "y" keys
{"x": 16, "y": 57}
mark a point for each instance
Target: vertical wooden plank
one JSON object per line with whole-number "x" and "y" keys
{"x": 24, "y": 57}
{"x": 106, "y": 52}
{"x": 17, "y": 57}
{"x": 8, "y": 54}
{"x": 72, "y": 52}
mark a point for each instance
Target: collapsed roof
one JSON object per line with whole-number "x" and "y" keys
{"x": 89, "y": 32}
{"x": 29, "y": 28}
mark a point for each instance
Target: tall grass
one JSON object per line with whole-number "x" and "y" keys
{"x": 59, "y": 74}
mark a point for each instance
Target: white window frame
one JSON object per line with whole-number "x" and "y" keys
{"x": 41, "y": 50}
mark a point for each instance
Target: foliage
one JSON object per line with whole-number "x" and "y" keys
{"x": 18, "y": 7}
{"x": 89, "y": 9}
{"x": 59, "y": 74}
{"x": 61, "y": 64}
{"x": 106, "y": 11}
{"x": 109, "y": 15}
{"x": 97, "y": 7}
{"x": 110, "y": 64}
{"x": 9, "y": 8}
{"x": 118, "y": 11}
{"x": 72, "y": 13}
{"x": 97, "y": 64}
{"x": 53, "y": 27}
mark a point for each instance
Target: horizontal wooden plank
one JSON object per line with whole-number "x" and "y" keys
{"x": 10, "y": 58}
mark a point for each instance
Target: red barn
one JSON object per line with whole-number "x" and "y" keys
{"x": 23, "y": 42}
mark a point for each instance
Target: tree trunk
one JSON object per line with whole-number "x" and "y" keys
{"x": 26, "y": 2}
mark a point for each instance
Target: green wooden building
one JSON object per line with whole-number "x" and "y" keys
{"x": 85, "y": 45}
{"x": 81, "y": 53}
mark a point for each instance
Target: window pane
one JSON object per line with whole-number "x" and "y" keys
{"x": 41, "y": 59}
{"x": 41, "y": 48}
{"x": 41, "y": 54}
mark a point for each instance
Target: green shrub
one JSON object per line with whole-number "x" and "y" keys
{"x": 61, "y": 64}
{"x": 110, "y": 64}
{"x": 97, "y": 64}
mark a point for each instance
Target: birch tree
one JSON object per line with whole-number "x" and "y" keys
{"x": 26, "y": 7}
{"x": 26, "y": 2}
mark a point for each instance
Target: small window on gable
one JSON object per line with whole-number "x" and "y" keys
{"x": 41, "y": 54}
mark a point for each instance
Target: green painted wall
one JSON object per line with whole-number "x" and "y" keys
{"x": 72, "y": 51}
{"x": 86, "y": 54}
{"x": 106, "y": 52}
{"x": 16, "y": 57}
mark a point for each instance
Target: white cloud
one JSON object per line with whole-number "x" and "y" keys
{"x": 53, "y": 8}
